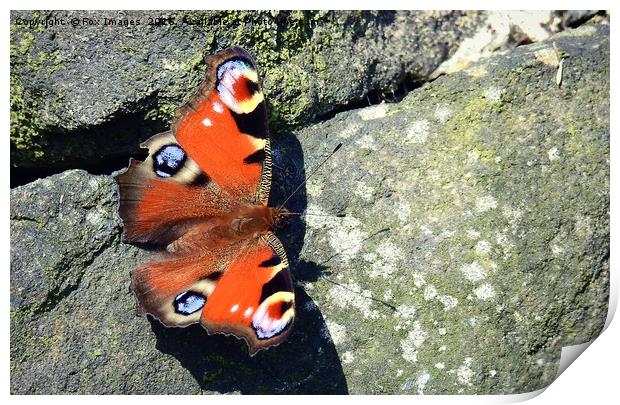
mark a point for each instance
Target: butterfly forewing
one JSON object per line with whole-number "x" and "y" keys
{"x": 224, "y": 126}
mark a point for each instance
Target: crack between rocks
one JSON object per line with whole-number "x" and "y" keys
{"x": 24, "y": 175}
{"x": 376, "y": 96}
{"x": 25, "y": 219}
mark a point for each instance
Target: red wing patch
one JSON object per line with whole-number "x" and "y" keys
{"x": 254, "y": 299}
{"x": 224, "y": 127}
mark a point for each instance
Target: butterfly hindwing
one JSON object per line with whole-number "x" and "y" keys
{"x": 254, "y": 298}
{"x": 175, "y": 288}
{"x": 244, "y": 289}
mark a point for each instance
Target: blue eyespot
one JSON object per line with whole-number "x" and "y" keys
{"x": 188, "y": 302}
{"x": 168, "y": 160}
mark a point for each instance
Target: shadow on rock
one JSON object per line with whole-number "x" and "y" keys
{"x": 307, "y": 362}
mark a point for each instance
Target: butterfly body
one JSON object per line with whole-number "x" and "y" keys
{"x": 250, "y": 220}
{"x": 243, "y": 223}
{"x": 201, "y": 198}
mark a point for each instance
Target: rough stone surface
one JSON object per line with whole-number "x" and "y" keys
{"x": 85, "y": 94}
{"x": 98, "y": 82}
{"x": 459, "y": 239}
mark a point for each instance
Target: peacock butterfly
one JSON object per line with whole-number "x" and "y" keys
{"x": 201, "y": 197}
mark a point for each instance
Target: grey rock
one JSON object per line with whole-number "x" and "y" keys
{"x": 87, "y": 94}
{"x": 504, "y": 30}
{"x": 454, "y": 244}
{"x": 55, "y": 249}
{"x": 574, "y": 18}
{"x": 91, "y": 91}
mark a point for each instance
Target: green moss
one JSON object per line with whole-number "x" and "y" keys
{"x": 26, "y": 343}
{"x": 25, "y": 126}
{"x": 292, "y": 82}
{"x": 25, "y": 42}
{"x": 487, "y": 155}
{"x": 127, "y": 49}
{"x": 197, "y": 63}
{"x": 163, "y": 112}
{"x": 572, "y": 130}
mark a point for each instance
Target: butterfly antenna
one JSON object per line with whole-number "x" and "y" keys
{"x": 291, "y": 213}
{"x": 316, "y": 169}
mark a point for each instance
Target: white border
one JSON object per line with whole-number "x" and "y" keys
{"x": 593, "y": 378}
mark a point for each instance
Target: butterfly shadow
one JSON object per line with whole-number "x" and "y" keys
{"x": 307, "y": 362}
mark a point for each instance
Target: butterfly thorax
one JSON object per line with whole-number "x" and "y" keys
{"x": 251, "y": 220}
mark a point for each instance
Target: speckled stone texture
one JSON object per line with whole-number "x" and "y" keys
{"x": 86, "y": 94}
{"x": 83, "y": 93}
{"x": 453, "y": 245}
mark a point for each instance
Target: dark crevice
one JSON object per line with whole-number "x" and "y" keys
{"x": 128, "y": 131}
{"x": 376, "y": 97}
{"x": 21, "y": 176}
{"x": 24, "y": 219}
{"x": 99, "y": 149}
